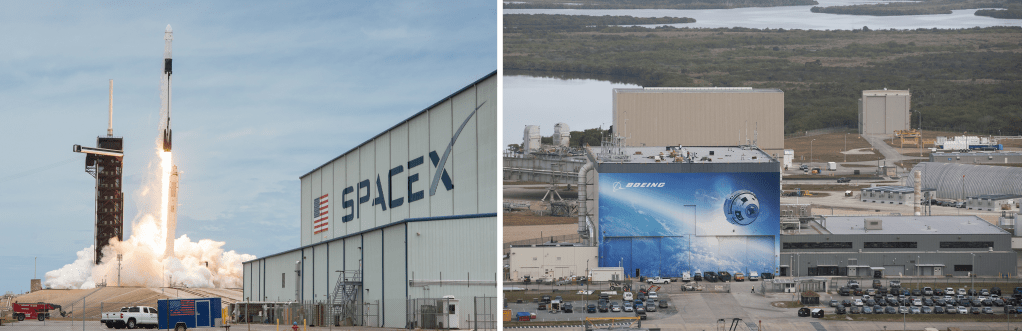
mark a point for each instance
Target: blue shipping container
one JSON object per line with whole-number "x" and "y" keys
{"x": 189, "y": 313}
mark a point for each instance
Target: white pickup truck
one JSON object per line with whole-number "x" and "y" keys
{"x": 131, "y": 317}
{"x": 658, "y": 280}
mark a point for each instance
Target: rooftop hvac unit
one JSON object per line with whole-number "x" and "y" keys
{"x": 874, "y": 224}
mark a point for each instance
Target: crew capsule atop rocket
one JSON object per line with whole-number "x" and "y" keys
{"x": 168, "y": 37}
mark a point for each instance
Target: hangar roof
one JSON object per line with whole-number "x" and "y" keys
{"x": 686, "y": 154}
{"x": 911, "y": 225}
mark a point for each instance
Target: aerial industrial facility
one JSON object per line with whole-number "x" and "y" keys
{"x": 679, "y": 186}
{"x": 402, "y": 222}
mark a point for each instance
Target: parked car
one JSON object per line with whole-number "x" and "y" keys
{"x": 926, "y": 310}
{"x": 963, "y": 310}
{"x": 591, "y": 308}
{"x": 938, "y": 310}
{"x": 845, "y": 291}
{"x": 640, "y": 313}
{"x": 833, "y": 303}
{"x": 855, "y": 310}
{"x": 877, "y": 284}
{"x": 961, "y": 291}
{"x": 629, "y": 306}
{"x": 846, "y": 303}
{"x": 698, "y": 276}
{"x": 840, "y": 310}
{"x": 867, "y": 310}
{"x": 662, "y": 304}
{"x": 650, "y": 306}
{"x": 568, "y": 308}
{"x": 890, "y": 310}
{"x": 739, "y": 277}
{"x": 927, "y": 291}
{"x": 938, "y": 292}
{"x": 844, "y": 180}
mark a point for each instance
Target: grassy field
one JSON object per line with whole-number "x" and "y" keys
{"x": 828, "y": 147}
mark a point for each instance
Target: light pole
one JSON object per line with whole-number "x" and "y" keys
{"x": 972, "y": 273}
{"x": 811, "y": 153}
{"x": 963, "y": 195}
{"x": 845, "y": 152}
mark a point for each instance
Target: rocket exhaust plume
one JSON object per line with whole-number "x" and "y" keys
{"x": 152, "y": 256}
{"x": 168, "y": 38}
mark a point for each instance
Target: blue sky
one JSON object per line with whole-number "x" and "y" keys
{"x": 263, "y": 92}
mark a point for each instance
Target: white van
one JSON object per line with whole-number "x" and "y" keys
{"x": 753, "y": 276}
{"x": 627, "y": 296}
{"x": 686, "y": 276}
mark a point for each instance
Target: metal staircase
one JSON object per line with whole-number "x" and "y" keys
{"x": 344, "y": 302}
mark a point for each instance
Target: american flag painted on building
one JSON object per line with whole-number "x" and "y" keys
{"x": 181, "y": 307}
{"x": 320, "y": 214}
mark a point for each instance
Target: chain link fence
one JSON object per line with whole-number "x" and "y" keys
{"x": 569, "y": 238}
{"x": 311, "y": 313}
{"x": 484, "y": 316}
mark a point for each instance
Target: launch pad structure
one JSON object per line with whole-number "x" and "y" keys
{"x": 105, "y": 163}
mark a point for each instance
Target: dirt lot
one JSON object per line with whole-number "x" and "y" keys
{"x": 828, "y": 147}
{"x": 523, "y": 218}
{"x": 516, "y": 233}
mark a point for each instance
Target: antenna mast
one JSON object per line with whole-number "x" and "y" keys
{"x": 110, "y": 122}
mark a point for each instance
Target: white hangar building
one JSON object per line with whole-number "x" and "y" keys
{"x": 406, "y": 216}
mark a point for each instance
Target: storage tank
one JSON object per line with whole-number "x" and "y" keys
{"x": 562, "y": 134}
{"x": 531, "y": 140}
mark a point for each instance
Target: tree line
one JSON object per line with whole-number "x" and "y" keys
{"x": 525, "y": 23}
{"x": 929, "y": 7}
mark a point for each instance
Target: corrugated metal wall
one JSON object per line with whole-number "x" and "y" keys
{"x": 948, "y": 180}
{"x": 459, "y": 248}
{"x": 700, "y": 117}
{"x": 1002, "y": 260}
{"x": 884, "y": 111}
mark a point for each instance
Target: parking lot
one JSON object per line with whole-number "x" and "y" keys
{"x": 693, "y": 310}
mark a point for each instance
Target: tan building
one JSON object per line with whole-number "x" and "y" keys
{"x": 700, "y": 116}
{"x": 552, "y": 261}
{"x": 884, "y": 111}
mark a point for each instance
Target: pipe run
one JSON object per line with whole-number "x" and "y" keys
{"x": 583, "y": 211}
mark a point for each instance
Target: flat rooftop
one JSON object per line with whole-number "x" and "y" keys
{"x": 681, "y": 154}
{"x": 911, "y": 225}
{"x": 697, "y": 90}
{"x": 896, "y": 189}
{"x": 996, "y": 196}
{"x": 976, "y": 153}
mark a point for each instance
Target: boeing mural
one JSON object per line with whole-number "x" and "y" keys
{"x": 664, "y": 224}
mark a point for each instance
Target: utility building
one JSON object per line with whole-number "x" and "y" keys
{"x": 881, "y": 246}
{"x": 884, "y": 111}
{"x": 700, "y": 116}
{"x": 399, "y": 222}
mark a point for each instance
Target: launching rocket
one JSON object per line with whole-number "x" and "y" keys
{"x": 168, "y": 37}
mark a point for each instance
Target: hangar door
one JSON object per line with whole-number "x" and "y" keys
{"x": 894, "y": 270}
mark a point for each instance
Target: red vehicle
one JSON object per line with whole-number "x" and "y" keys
{"x": 39, "y": 311}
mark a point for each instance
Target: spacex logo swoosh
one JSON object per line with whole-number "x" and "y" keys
{"x": 440, "y": 172}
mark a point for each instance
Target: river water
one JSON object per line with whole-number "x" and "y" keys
{"x": 794, "y": 17}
